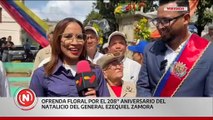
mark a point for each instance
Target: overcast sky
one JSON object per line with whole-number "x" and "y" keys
{"x": 57, "y": 10}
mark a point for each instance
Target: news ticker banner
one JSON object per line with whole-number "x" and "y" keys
{"x": 106, "y": 107}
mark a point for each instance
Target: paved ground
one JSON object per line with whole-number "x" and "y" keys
{"x": 18, "y": 74}
{"x": 18, "y": 80}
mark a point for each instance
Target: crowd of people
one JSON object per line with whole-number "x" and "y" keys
{"x": 179, "y": 64}
{"x": 6, "y": 45}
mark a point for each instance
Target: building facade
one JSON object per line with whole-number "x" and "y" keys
{"x": 9, "y": 27}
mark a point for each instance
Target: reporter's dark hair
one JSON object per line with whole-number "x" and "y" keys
{"x": 57, "y": 53}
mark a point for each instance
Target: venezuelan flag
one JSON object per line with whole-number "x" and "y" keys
{"x": 32, "y": 24}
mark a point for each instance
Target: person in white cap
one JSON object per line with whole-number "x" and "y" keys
{"x": 92, "y": 42}
{"x": 112, "y": 67}
{"x": 209, "y": 35}
{"x": 118, "y": 44}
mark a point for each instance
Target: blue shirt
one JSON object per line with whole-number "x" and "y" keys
{"x": 62, "y": 83}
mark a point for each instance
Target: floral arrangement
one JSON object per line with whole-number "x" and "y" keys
{"x": 142, "y": 30}
{"x": 128, "y": 7}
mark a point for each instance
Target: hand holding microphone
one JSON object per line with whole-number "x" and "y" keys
{"x": 91, "y": 92}
{"x": 85, "y": 79}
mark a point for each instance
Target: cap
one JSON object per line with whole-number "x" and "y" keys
{"x": 3, "y": 38}
{"x": 92, "y": 29}
{"x": 139, "y": 47}
{"x": 193, "y": 28}
{"x": 107, "y": 59}
{"x": 105, "y": 45}
{"x": 116, "y": 33}
{"x": 211, "y": 26}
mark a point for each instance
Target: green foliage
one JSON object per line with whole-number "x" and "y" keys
{"x": 92, "y": 16}
{"x": 141, "y": 30}
{"x": 107, "y": 11}
{"x": 148, "y": 6}
{"x": 100, "y": 33}
{"x": 204, "y": 14}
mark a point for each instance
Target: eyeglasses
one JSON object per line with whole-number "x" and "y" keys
{"x": 164, "y": 21}
{"x": 71, "y": 36}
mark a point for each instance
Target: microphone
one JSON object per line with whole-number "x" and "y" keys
{"x": 85, "y": 78}
{"x": 163, "y": 65}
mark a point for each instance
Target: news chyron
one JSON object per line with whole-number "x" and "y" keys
{"x": 26, "y": 100}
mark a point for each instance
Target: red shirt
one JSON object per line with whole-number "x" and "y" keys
{"x": 117, "y": 90}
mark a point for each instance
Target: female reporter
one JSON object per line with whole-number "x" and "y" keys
{"x": 57, "y": 77}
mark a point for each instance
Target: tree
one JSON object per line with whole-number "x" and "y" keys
{"x": 107, "y": 11}
{"x": 93, "y": 15}
{"x": 204, "y": 15}
{"x": 141, "y": 31}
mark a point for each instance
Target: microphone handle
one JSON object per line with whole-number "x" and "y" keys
{"x": 82, "y": 93}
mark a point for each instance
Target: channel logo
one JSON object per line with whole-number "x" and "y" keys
{"x": 25, "y": 99}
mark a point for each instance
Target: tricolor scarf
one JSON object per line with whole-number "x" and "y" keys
{"x": 181, "y": 67}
